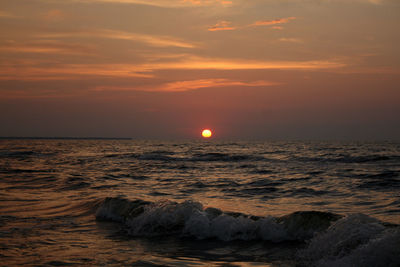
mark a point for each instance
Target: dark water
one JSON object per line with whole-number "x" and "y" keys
{"x": 147, "y": 203}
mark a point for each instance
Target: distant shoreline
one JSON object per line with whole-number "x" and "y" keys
{"x": 65, "y": 138}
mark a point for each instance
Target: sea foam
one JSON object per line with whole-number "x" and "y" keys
{"x": 331, "y": 239}
{"x": 190, "y": 219}
{"x": 355, "y": 240}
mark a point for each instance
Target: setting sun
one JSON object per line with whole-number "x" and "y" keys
{"x": 206, "y": 133}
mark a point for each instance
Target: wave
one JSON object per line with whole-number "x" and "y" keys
{"x": 380, "y": 184}
{"x": 16, "y": 154}
{"x": 355, "y": 240}
{"x": 341, "y": 158}
{"x": 366, "y": 158}
{"x": 330, "y": 239}
{"x": 228, "y": 157}
{"x": 198, "y": 157}
{"x": 23, "y": 171}
{"x": 190, "y": 219}
{"x": 381, "y": 180}
{"x": 24, "y": 154}
{"x": 216, "y": 156}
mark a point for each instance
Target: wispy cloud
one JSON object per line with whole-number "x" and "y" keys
{"x": 376, "y": 2}
{"x": 291, "y": 40}
{"x": 35, "y": 94}
{"x": 47, "y": 47}
{"x": 4, "y": 14}
{"x": 36, "y": 72}
{"x": 53, "y": 15}
{"x": 272, "y": 22}
{"x": 226, "y": 64}
{"x": 41, "y": 71}
{"x": 188, "y": 3}
{"x": 222, "y": 26}
{"x": 182, "y": 86}
{"x": 165, "y": 3}
{"x": 152, "y": 40}
{"x": 208, "y": 2}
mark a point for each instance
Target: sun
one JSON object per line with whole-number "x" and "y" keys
{"x": 206, "y": 133}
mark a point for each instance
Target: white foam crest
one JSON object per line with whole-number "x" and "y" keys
{"x": 270, "y": 230}
{"x": 198, "y": 225}
{"x": 163, "y": 218}
{"x": 383, "y": 251}
{"x": 347, "y": 241}
{"x": 303, "y": 225}
{"x": 189, "y": 219}
{"x": 228, "y": 228}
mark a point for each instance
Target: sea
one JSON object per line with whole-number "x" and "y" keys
{"x": 199, "y": 203}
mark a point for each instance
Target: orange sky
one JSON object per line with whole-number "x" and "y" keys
{"x": 165, "y": 69}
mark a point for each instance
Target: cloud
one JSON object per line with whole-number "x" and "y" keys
{"x": 291, "y": 40}
{"x": 222, "y": 26}
{"x": 376, "y": 2}
{"x": 158, "y": 41}
{"x": 4, "y": 14}
{"x": 194, "y": 62}
{"x": 37, "y": 72}
{"x": 208, "y": 2}
{"x": 164, "y": 3}
{"x": 182, "y": 86}
{"x": 152, "y": 40}
{"x": 272, "y": 22}
{"x": 47, "y": 47}
{"x": 53, "y": 15}
{"x": 41, "y": 70}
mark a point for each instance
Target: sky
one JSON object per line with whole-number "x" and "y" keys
{"x": 166, "y": 69}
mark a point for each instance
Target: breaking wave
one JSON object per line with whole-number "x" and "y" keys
{"x": 191, "y": 219}
{"x": 332, "y": 239}
{"x": 355, "y": 240}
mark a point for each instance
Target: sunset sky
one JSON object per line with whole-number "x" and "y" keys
{"x": 166, "y": 69}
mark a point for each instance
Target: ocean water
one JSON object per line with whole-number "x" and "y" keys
{"x": 199, "y": 203}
